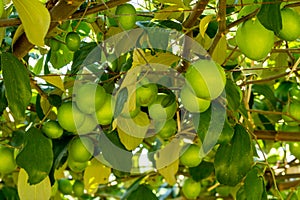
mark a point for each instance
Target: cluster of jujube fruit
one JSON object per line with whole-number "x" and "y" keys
{"x": 92, "y": 109}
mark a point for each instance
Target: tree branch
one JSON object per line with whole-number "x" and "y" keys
{"x": 187, "y": 24}
{"x": 222, "y": 26}
{"x": 197, "y": 11}
{"x": 61, "y": 11}
{"x": 277, "y": 135}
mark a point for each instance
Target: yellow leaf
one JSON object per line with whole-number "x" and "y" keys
{"x": 39, "y": 191}
{"x": 35, "y": 19}
{"x": 132, "y": 131}
{"x": 204, "y": 41}
{"x": 96, "y": 173}
{"x": 169, "y": 172}
{"x": 172, "y": 2}
{"x": 204, "y": 24}
{"x": 171, "y": 12}
{"x": 55, "y": 81}
{"x": 167, "y": 160}
{"x": 130, "y": 142}
{"x": 18, "y": 33}
{"x": 140, "y": 58}
{"x": 219, "y": 54}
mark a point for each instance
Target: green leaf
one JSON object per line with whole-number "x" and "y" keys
{"x": 233, "y": 160}
{"x": 254, "y": 185}
{"x": 9, "y": 193}
{"x": 219, "y": 54}
{"x": 39, "y": 191}
{"x": 132, "y": 130}
{"x": 37, "y": 156}
{"x": 142, "y": 192}
{"x": 35, "y": 19}
{"x": 132, "y": 188}
{"x": 37, "y": 69}
{"x": 267, "y": 92}
{"x": 233, "y": 95}
{"x": 121, "y": 158}
{"x": 17, "y": 84}
{"x": 60, "y": 58}
{"x": 269, "y": 15}
{"x": 202, "y": 171}
{"x": 120, "y": 101}
{"x": 3, "y": 100}
{"x": 87, "y": 54}
{"x": 209, "y": 125}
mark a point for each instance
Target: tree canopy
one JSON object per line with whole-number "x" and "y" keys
{"x": 149, "y": 99}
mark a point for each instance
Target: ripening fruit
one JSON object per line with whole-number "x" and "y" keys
{"x": 69, "y": 116}
{"x": 126, "y": 16}
{"x": 163, "y": 108}
{"x": 146, "y": 94}
{"x": 76, "y": 166}
{"x": 52, "y": 129}
{"x": 254, "y": 40}
{"x": 7, "y": 160}
{"x": 78, "y": 188}
{"x": 293, "y": 109}
{"x": 290, "y": 24}
{"x": 191, "y": 156}
{"x": 81, "y": 149}
{"x": 73, "y": 41}
{"x": 90, "y": 97}
{"x": 191, "y": 189}
{"x": 206, "y": 78}
{"x": 65, "y": 186}
{"x": 191, "y": 102}
{"x": 165, "y": 129}
{"x": 105, "y": 114}
{"x": 88, "y": 125}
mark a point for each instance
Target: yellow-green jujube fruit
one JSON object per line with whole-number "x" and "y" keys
{"x": 146, "y": 94}
{"x": 191, "y": 102}
{"x": 254, "y": 40}
{"x": 65, "y": 186}
{"x": 292, "y": 109}
{"x": 191, "y": 156}
{"x": 191, "y": 188}
{"x": 105, "y": 114}
{"x": 69, "y": 116}
{"x": 76, "y": 166}
{"x": 206, "y": 78}
{"x": 165, "y": 129}
{"x": 72, "y": 41}
{"x": 78, "y": 188}
{"x": 90, "y": 97}
{"x": 290, "y": 24}
{"x": 52, "y": 129}
{"x": 81, "y": 149}
{"x": 7, "y": 160}
{"x": 126, "y": 16}
{"x": 163, "y": 108}
{"x": 88, "y": 125}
